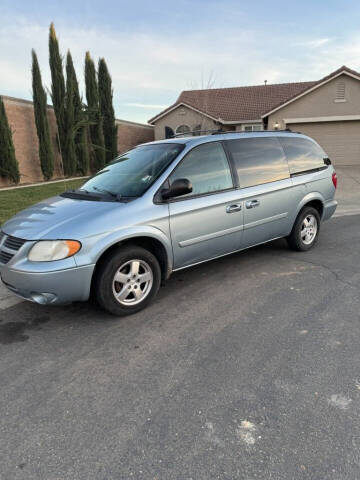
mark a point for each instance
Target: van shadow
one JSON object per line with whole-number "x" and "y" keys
{"x": 34, "y": 317}
{"x": 223, "y": 266}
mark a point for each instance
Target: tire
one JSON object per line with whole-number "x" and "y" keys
{"x": 137, "y": 281}
{"x": 300, "y": 240}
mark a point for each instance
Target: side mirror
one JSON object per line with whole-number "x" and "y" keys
{"x": 181, "y": 186}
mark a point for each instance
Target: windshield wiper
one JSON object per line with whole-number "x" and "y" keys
{"x": 117, "y": 196}
{"x": 80, "y": 194}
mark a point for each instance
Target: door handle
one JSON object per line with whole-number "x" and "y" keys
{"x": 233, "y": 208}
{"x": 252, "y": 203}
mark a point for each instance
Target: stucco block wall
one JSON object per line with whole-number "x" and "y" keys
{"x": 20, "y": 115}
{"x": 182, "y": 116}
{"x": 131, "y": 134}
{"x": 320, "y": 103}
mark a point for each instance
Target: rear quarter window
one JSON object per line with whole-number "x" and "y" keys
{"x": 302, "y": 154}
{"x": 258, "y": 160}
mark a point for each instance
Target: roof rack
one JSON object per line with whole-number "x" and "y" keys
{"x": 196, "y": 133}
{"x": 219, "y": 132}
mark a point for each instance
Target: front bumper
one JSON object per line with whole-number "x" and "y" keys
{"x": 53, "y": 287}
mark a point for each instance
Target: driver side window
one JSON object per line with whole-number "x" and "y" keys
{"x": 207, "y": 168}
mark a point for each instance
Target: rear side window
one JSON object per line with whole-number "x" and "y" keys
{"x": 207, "y": 168}
{"x": 302, "y": 154}
{"x": 258, "y": 160}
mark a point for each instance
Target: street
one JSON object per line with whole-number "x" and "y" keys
{"x": 245, "y": 367}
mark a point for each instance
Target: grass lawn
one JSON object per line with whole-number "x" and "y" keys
{"x": 12, "y": 201}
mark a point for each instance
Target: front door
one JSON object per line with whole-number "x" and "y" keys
{"x": 208, "y": 222}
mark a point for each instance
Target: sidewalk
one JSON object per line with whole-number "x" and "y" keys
{"x": 7, "y": 299}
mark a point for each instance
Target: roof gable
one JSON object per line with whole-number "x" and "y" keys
{"x": 340, "y": 71}
{"x": 178, "y": 105}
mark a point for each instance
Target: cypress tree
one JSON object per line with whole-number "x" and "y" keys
{"x": 57, "y": 86}
{"x": 9, "y": 167}
{"x": 82, "y": 151}
{"x": 80, "y": 124}
{"x": 42, "y": 125}
{"x": 107, "y": 111}
{"x": 69, "y": 159}
{"x": 95, "y": 120}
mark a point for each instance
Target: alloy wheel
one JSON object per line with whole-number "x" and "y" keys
{"x": 309, "y": 229}
{"x": 132, "y": 282}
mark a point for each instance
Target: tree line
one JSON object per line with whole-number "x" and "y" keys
{"x": 86, "y": 132}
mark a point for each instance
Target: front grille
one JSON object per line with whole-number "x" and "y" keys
{"x": 14, "y": 243}
{"x": 11, "y": 243}
{"x": 5, "y": 257}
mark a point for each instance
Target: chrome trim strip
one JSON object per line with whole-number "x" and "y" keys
{"x": 210, "y": 236}
{"x": 8, "y": 250}
{"x": 265, "y": 220}
{"x": 3, "y": 237}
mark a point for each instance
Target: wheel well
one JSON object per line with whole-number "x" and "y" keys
{"x": 151, "y": 244}
{"x": 317, "y": 204}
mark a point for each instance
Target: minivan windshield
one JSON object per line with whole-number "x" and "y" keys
{"x": 131, "y": 174}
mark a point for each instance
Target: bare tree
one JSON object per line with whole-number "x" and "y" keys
{"x": 206, "y": 82}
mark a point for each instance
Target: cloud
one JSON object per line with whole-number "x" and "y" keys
{"x": 315, "y": 43}
{"x": 150, "y": 68}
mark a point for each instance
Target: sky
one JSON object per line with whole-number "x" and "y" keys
{"x": 155, "y": 49}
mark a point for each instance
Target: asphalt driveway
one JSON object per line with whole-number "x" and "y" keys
{"x": 247, "y": 367}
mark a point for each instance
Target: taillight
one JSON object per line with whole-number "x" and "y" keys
{"x": 334, "y": 179}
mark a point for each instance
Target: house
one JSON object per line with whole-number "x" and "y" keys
{"x": 327, "y": 110}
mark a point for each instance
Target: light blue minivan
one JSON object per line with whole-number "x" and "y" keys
{"x": 164, "y": 206}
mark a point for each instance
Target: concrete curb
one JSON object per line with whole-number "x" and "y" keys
{"x": 7, "y": 299}
{"x": 346, "y": 213}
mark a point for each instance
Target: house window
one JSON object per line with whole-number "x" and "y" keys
{"x": 254, "y": 127}
{"x": 197, "y": 130}
{"x": 169, "y": 132}
{"x": 182, "y": 130}
{"x": 340, "y": 92}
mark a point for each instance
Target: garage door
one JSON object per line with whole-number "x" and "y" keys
{"x": 340, "y": 140}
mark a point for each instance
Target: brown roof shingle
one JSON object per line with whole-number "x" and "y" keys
{"x": 245, "y": 103}
{"x": 239, "y": 103}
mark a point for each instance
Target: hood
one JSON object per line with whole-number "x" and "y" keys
{"x": 44, "y": 219}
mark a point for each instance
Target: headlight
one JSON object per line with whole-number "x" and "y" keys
{"x": 48, "y": 250}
